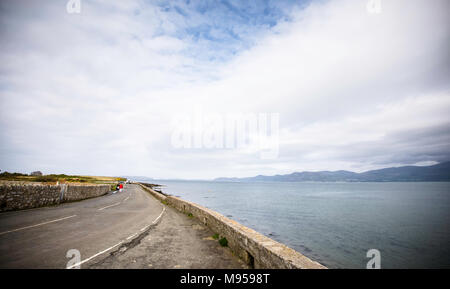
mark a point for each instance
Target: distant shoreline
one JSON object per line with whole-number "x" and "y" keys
{"x": 435, "y": 173}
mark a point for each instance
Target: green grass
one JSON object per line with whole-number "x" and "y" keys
{"x": 215, "y": 236}
{"x": 223, "y": 242}
{"x": 62, "y": 178}
{"x": 190, "y": 215}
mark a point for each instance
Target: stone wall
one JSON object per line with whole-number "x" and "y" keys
{"x": 77, "y": 192}
{"x": 257, "y": 250}
{"x": 19, "y": 196}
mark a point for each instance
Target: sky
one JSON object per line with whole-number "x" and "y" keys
{"x": 107, "y": 90}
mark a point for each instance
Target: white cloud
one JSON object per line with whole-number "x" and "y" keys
{"x": 95, "y": 93}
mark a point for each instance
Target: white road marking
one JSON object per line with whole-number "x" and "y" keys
{"x": 99, "y": 253}
{"x": 115, "y": 204}
{"x": 106, "y": 250}
{"x": 156, "y": 220}
{"x": 132, "y": 236}
{"x": 40, "y": 224}
{"x": 110, "y": 206}
{"x": 145, "y": 228}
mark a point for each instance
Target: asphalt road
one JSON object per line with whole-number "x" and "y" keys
{"x": 42, "y": 237}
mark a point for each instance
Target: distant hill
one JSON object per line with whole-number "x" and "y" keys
{"x": 139, "y": 178}
{"x": 435, "y": 173}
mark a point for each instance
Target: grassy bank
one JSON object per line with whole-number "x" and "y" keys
{"x": 61, "y": 178}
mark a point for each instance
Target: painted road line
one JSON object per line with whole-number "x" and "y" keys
{"x": 106, "y": 250}
{"x": 115, "y": 204}
{"x": 92, "y": 257}
{"x": 156, "y": 220}
{"x": 109, "y": 206}
{"x": 40, "y": 224}
{"x": 132, "y": 236}
{"x": 145, "y": 228}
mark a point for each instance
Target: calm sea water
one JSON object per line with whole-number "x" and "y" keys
{"x": 337, "y": 223}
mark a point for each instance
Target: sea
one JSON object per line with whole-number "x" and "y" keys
{"x": 337, "y": 223}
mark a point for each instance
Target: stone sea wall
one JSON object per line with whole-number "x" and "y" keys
{"x": 19, "y": 196}
{"x": 257, "y": 250}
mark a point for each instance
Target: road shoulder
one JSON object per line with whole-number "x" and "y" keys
{"x": 177, "y": 241}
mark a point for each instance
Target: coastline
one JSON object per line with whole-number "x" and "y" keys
{"x": 255, "y": 249}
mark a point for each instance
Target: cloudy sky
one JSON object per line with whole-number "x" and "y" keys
{"x": 97, "y": 92}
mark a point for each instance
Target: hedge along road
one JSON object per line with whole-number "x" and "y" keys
{"x": 41, "y": 238}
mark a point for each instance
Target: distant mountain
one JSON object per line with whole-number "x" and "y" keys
{"x": 139, "y": 178}
{"x": 435, "y": 173}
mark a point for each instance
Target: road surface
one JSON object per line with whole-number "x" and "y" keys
{"x": 112, "y": 231}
